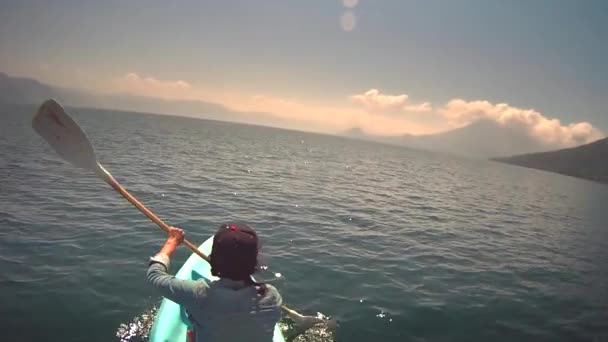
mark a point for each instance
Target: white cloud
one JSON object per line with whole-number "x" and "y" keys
{"x": 459, "y": 113}
{"x": 350, "y": 3}
{"x": 136, "y": 80}
{"x": 378, "y": 113}
{"x": 548, "y": 131}
{"x": 348, "y": 21}
{"x": 373, "y": 99}
{"x": 134, "y": 83}
{"x": 328, "y": 118}
{"x": 420, "y": 108}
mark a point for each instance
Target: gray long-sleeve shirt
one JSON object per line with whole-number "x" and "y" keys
{"x": 222, "y": 310}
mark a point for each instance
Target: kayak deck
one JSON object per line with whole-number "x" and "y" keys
{"x": 171, "y": 324}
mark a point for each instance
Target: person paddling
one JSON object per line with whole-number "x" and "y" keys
{"x": 233, "y": 308}
{"x": 233, "y": 296}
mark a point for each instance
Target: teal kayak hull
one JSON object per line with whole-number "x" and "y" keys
{"x": 171, "y": 324}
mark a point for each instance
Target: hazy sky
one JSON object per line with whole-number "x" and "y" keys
{"x": 389, "y": 67}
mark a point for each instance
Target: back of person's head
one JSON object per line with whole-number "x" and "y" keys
{"x": 235, "y": 252}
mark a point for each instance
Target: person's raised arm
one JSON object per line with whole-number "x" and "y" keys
{"x": 178, "y": 290}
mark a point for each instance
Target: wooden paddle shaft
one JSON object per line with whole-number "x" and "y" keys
{"x": 107, "y": 177}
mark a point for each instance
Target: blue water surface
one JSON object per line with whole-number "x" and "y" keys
{"x": 402, "y": 245}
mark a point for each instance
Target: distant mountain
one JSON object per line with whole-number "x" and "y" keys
{"x": 587, "y": 161}
{"x": 482, "y": 139}
{"x": 21, "y": 90}
{"x": 356, "y": 132}
{"x": 198, "y": 109}
{"x": 24, "y": 90}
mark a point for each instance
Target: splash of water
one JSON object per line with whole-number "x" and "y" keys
{"x": 322, "y": 332}
{"x": 138, "y": 329}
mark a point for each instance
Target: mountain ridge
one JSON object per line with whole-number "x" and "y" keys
{"x": 23, "y": 90}
{"x": 481, "y": 139}
{"x": 589, "y": 161}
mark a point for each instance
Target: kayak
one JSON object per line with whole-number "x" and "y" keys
{"x": 171, "y": 324}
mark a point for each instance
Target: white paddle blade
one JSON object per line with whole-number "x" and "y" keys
{"x": 64, "y": 135}
{"x": 302, "y": 322}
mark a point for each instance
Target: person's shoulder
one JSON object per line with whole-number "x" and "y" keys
{"x": 272, "y": 296}
{"x": 201, "y": 288}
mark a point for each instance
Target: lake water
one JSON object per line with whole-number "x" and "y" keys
{"x": 401, "y": 245}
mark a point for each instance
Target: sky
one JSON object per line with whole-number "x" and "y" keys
{"x": 387, "y": 66}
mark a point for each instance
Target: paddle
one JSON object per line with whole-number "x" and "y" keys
{"x": 60, "y": 131}
{"x": 64, "y": 135}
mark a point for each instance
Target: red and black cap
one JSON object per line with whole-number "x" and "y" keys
{"x": 235, "y": 252}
